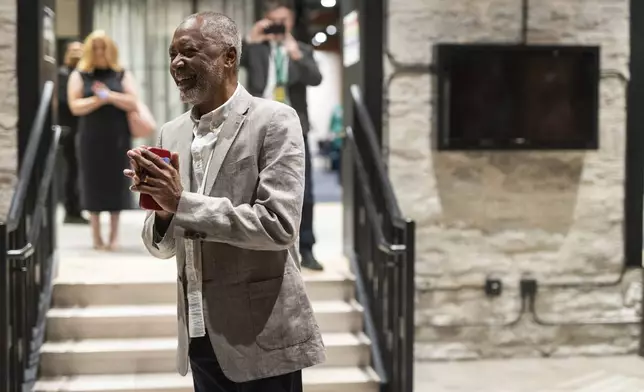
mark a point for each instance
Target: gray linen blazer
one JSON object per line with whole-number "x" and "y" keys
{"x": 258, "y": 315}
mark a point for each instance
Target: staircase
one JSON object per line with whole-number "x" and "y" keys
{"x": 121, "y": 336}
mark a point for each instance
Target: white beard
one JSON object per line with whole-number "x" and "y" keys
{"x": 201, "y": 90}
{"x": 193, "y": 95}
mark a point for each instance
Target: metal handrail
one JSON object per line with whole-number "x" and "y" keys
{"x": 29, "y": 160}
{"x": 391, "y": 202}
{"x": 45, "y": 184}
{"x": 43, "y": 192}
{"x": 370, "y": 206}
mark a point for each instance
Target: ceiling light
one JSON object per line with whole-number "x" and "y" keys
{"x": 331, "y": 30}
{"x": 327, "y": 3}
{"x": 320, "y": 37}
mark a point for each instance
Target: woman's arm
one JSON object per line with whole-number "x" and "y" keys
{"x": 127, "y": 99}
{"x": 78, "y": 105}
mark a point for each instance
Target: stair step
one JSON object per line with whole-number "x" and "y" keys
{"x": 325, "y": 286}
{"x": 116, "y": 356}
{"x": 317, "y": 379}
{"x": 150, "y": 321}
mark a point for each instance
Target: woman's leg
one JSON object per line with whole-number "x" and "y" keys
{"x": 95, "y": 221}
{"x": 114, "y": 230}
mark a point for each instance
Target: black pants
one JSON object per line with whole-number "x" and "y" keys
{"x": 307, "y": 238}
{"x": 208, "y": 376}
{"x": 72, "y": 202}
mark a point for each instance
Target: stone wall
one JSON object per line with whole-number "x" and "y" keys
{"x": 8, "y": 104}
{"x": 555, "y": 215}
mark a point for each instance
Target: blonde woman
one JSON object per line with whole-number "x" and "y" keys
{"x": 101, "y": 93}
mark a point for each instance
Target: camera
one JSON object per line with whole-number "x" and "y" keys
{"x": 275, "y": 28}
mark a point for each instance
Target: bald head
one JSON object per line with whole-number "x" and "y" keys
{"x": 217, "y": 28}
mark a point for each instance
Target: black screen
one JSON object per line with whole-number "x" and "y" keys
{"x": 518, "y": 97}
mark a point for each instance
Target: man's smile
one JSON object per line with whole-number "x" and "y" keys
{"x": 185, "y": 81}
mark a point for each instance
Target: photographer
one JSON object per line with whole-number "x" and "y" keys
{"x": 280, "y": 68}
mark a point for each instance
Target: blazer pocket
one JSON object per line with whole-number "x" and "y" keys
{"x": 280, "y": 313}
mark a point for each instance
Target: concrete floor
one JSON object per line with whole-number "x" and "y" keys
{"x": 609, "y": 374}
{"x": 606, "y": 374}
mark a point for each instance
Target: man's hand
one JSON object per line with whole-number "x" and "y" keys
{"x": 161, "y": 180}
{"x": 257, "y": 34}
{"x": 136, "y": 174}
{"x": 292, "y": 48}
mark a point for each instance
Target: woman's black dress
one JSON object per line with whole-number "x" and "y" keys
{"x": 103, "y": 142}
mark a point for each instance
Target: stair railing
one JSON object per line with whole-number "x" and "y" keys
{"x": 383, "y": 257}
{"x": 27, "y": 255}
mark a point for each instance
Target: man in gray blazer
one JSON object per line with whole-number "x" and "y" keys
{"x": 280, "y": 68}
{"x": 231, "y": 199}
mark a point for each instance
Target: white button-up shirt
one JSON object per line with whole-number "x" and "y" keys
{"x": 206, "y": 131}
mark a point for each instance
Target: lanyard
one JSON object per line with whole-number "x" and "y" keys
{"x": 280, "y": 69}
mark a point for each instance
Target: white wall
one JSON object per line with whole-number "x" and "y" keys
{"x": 323, "y": 98}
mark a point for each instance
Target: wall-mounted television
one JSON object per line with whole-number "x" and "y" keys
{"x": 499, "y": 97}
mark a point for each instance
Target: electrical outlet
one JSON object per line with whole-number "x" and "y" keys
{"x": 528, "y": 287}
{"x": 493, "y": 287}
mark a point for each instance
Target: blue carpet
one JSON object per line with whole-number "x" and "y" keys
{"x": 326, "y": 186}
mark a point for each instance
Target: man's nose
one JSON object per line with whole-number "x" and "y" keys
{"x": 177, "y": 63}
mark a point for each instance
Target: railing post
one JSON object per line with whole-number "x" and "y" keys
{"x": 409, "y": 266}
{"x": 4, "y": 311}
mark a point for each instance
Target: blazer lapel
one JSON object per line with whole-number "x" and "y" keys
{"x": 227, "y": 136}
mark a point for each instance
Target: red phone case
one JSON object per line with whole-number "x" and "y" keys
{"x": 146, "y": 201}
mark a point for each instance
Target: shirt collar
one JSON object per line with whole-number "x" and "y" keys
{"x": 275, "y": 46}
{"x": 213, "y": 120}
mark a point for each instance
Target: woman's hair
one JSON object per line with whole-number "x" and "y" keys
{"x": 88, "y": 63}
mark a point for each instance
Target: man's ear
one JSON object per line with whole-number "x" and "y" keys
{"x": 231, "y": 57}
